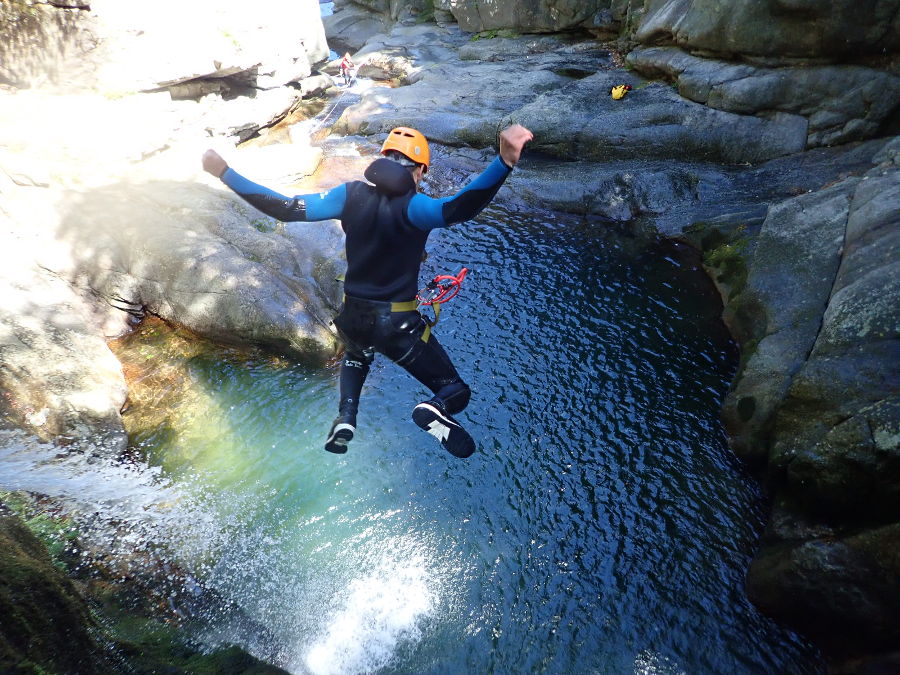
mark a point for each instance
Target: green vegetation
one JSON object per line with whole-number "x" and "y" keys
{"x": 151, "y": 646}
{"x": 724, "y": 253}
{"x": 264, "y": 225}
{"x": 46, "y": 626}
{"x": 56, "y": 532}
{"x": 728, "y": 261}
{"x": 494, "y": 33}
{"x": 427, "y": 12}
{"x": 50, "y": 626}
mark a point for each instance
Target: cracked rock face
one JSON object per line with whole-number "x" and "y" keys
{"x": 818, "y": 403}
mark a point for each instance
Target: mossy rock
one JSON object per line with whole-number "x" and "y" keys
{"x": 156, "y": 647}
{"x": 47, "y": 626}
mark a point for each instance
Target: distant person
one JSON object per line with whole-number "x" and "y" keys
{"x": 347, "y": 68}
{"x": 386, "y": 225}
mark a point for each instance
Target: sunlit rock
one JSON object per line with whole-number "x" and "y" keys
{"x": 120, "y": 47}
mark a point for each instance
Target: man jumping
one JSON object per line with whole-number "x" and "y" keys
{"x": 386, "y": 222}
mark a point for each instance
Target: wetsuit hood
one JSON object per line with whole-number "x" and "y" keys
{"x": 389, "y": 177}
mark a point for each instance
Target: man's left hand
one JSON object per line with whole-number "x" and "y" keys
{"x": 214, "y": 164}
{"x": 512, "y": 142}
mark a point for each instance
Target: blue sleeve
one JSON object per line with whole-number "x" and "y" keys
{"x": 316, "y": 206}
{"x": 428, "y": 213}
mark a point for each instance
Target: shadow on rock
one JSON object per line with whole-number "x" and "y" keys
{"x": 200, "y": 258}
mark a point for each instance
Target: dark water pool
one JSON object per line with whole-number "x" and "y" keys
{"x": 602, "y": 527}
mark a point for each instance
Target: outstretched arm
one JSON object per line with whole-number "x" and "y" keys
{"x": 428, "y": 213}
{"x": 287, "y": 209}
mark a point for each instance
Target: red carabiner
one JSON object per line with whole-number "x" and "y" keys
{"x": 442, "y": 288}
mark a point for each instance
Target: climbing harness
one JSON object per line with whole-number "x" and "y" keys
{"x": 439, "y": 290}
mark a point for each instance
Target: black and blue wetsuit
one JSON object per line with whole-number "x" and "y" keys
{"x": 386, "y": 227}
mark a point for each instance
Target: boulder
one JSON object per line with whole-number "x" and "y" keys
{"x": 47, "y": 626}
{"x": 778, "y": 28}
{"x": 531, "y": 16}
{"x": 128, "y": 46}
{"x": 350, "y": 26}
{"x": 91, "y": 244}
{"x": 838, "y": 429}
{"x": 623, "y": 191}
{"x": 605, "y": 17}
{"x": 842, "y": 102}
{"x": 777, "y": 316}
{"x": 202, "y": 259}
{"x": 842, "y": 592}
{"x": 816, "y": 403}
{"x": 59, "y": 379}
{"x": 601, "y": 17}
{"x": 395, "y": 10}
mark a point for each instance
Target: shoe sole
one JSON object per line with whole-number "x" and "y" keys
{"x": 453, "y": 438}
{"x": 340, "y": 436}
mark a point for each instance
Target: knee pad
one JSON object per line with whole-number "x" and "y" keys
{"x": 455, "y": 396}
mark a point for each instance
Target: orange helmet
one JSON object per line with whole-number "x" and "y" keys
{"x": 408, "y": 142}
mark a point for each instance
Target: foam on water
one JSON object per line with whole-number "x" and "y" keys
{"x": 119, "y": 506}
{"x": 85, "y": 482}
{"x": 378, "y": 612}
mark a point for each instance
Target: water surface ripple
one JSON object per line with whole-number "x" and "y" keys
{"x": 603, "y": 526}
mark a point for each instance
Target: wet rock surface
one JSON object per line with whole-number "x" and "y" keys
{"x": 74, "y": 611}
{"x": 46, "y": 623}
{"x": 816, "y": 406}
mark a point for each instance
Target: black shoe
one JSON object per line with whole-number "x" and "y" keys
{"x": 341, "y": 433}
{"x": 431, "y": 417}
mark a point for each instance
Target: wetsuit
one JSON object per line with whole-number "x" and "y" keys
{"x": 386, "y": 227}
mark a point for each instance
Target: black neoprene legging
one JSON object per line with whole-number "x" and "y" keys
{"x": 368, "y": 326}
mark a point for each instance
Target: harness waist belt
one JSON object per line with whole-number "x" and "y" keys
{"x": 402, "y": 306}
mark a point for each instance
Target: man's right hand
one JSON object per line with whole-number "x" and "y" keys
{"x": 512, "y": 141}
{"x": 213, "y": 163}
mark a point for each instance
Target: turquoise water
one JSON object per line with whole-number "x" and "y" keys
{"x": 602, "y": 527}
